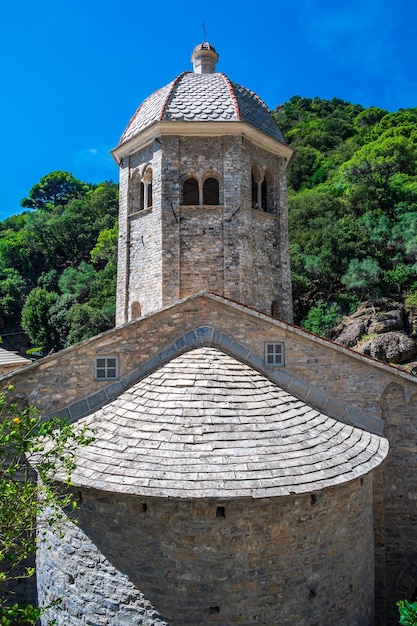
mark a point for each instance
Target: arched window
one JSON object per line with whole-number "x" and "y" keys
{"x": 264, "y": 195}
{"x": 190, "y": 192}
{"x": 275, "y": 309}
{"x": 254, "y": 193}
{"x": 258, "y": 189}
{"x": 147, "y": 188}
{"x": 211, "y": 191}
{"x": 135, "y": 310}
{"x": 141, "y": 190}
{"x": 142, "y": 196}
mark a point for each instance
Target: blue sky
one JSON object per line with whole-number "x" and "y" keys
{"x": 74, "y": 71}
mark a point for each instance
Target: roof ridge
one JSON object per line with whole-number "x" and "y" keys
{"x": 171, "y": 93}
{"x": 232, "y": 95}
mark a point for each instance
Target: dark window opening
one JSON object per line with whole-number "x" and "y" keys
{"x": 144, "y": 507}
{"x": 264, "y": 195}
{"x": 190, "y": 192}
{"x": 254, "y": 194}
{"x": 149, "y": 195}
{"x": 211, "y": 191}
{"x": 220, "y": 512}
{"x": 142, "y": 196}
{"x": 214, "y": 610}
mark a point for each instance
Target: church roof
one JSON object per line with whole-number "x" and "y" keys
{"x": 208, "y": 97}
{"x": 207, "y": 425}
{"x": 11, "y": 358}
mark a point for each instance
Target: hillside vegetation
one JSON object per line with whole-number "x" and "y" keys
{"x": 353, "y": 229}
{"x": 58, "y": 262}
{"x": 353, "y": 206}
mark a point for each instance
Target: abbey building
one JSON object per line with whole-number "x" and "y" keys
{"x": 243, "y": 471}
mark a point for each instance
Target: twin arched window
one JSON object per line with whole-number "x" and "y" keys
{"x": 259, "y": 194}
{"x": 141, "y": 194}
{"x": 263, "y": 190}
{"x": 194, "y": 194}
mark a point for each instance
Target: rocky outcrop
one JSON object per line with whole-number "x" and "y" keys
{"x": 382, "y": 330}
{"x": 394, "y": 347}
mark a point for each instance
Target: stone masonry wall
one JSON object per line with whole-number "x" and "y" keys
{"x": 139, "y": 272}
{"x": 201, "y": 250}
{"x": 265, "y": 256}
{"x": 350, "y": 387}
{"x": 91, "y": 590}
{"x": 292, "y": 560}
{"x": 346, "y": 385}
{"x": 171, "y": 251}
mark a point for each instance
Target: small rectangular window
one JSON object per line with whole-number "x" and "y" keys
{"x": 274, "y": 354}
{"x": 106, "y": 368}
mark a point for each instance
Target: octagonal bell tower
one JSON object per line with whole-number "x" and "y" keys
{"x": 203, "y": 202}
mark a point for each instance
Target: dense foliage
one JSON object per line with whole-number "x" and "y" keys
{"x": 353, "y": 205}
{"x": 58, "y": 262}
{"x": 353, "y": 228}
{"x": 25, "y": 439}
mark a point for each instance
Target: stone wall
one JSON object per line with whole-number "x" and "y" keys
{"x": 291, "y": 560}
{"x": 201, "y": 250}
{"x": 139, "y": 272}
{"x": 169, "y": 251}
{"x": 343, "y": 384}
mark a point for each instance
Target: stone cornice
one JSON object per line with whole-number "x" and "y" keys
{"x": 201, "y": 129}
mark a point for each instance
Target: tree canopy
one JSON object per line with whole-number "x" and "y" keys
{"x": 58, "y": 261}
{"x": 352, "y": 188}
{"x": 54, "y": 189}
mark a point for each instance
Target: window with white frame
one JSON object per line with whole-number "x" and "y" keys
{"x": 106, "y": 367}
{"x": 274, "y": 354}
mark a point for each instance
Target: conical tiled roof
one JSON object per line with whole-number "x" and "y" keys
{"x": 203, "y": 98}
{"x": 207, "y": 425}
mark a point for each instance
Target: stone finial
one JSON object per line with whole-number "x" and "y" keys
{"x": 204, "y": 58}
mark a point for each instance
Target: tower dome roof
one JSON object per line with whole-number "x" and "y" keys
{"x": 203, "y": 96}
{"x": 207, "y": 425}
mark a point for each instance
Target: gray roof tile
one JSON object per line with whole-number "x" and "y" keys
{"x": 203, "y": 97}
{"x": 263, "y": 443}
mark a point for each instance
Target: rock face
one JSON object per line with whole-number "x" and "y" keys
{"x": 381, "y": 330}
{"x": 395, "y": 347}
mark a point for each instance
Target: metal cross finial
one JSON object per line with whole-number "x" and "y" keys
{"x": 203, "y": 25}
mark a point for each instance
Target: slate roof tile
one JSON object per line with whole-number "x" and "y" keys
{"x": 203, "y": 97}
{"x": 263, "y": 443}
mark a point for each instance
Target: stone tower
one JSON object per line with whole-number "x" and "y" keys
{"x": 203, "y": 203}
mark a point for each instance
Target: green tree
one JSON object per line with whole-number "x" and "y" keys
{"x": 373, "y": 167}
{"x": 105, "y": 250}
{"x": 26, "y": 438}
{"x": 86, "y": 321}
{"x": 362, "y": 276}
{"x": 54, "y": 189}
{"x": 12, "y": 291}
{"x": 36, "y": 319}
{"x": 322, "y": 317}
{"x": 77, "y": 281}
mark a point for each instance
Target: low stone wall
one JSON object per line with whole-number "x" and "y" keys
{"x": 290, "y": 560}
